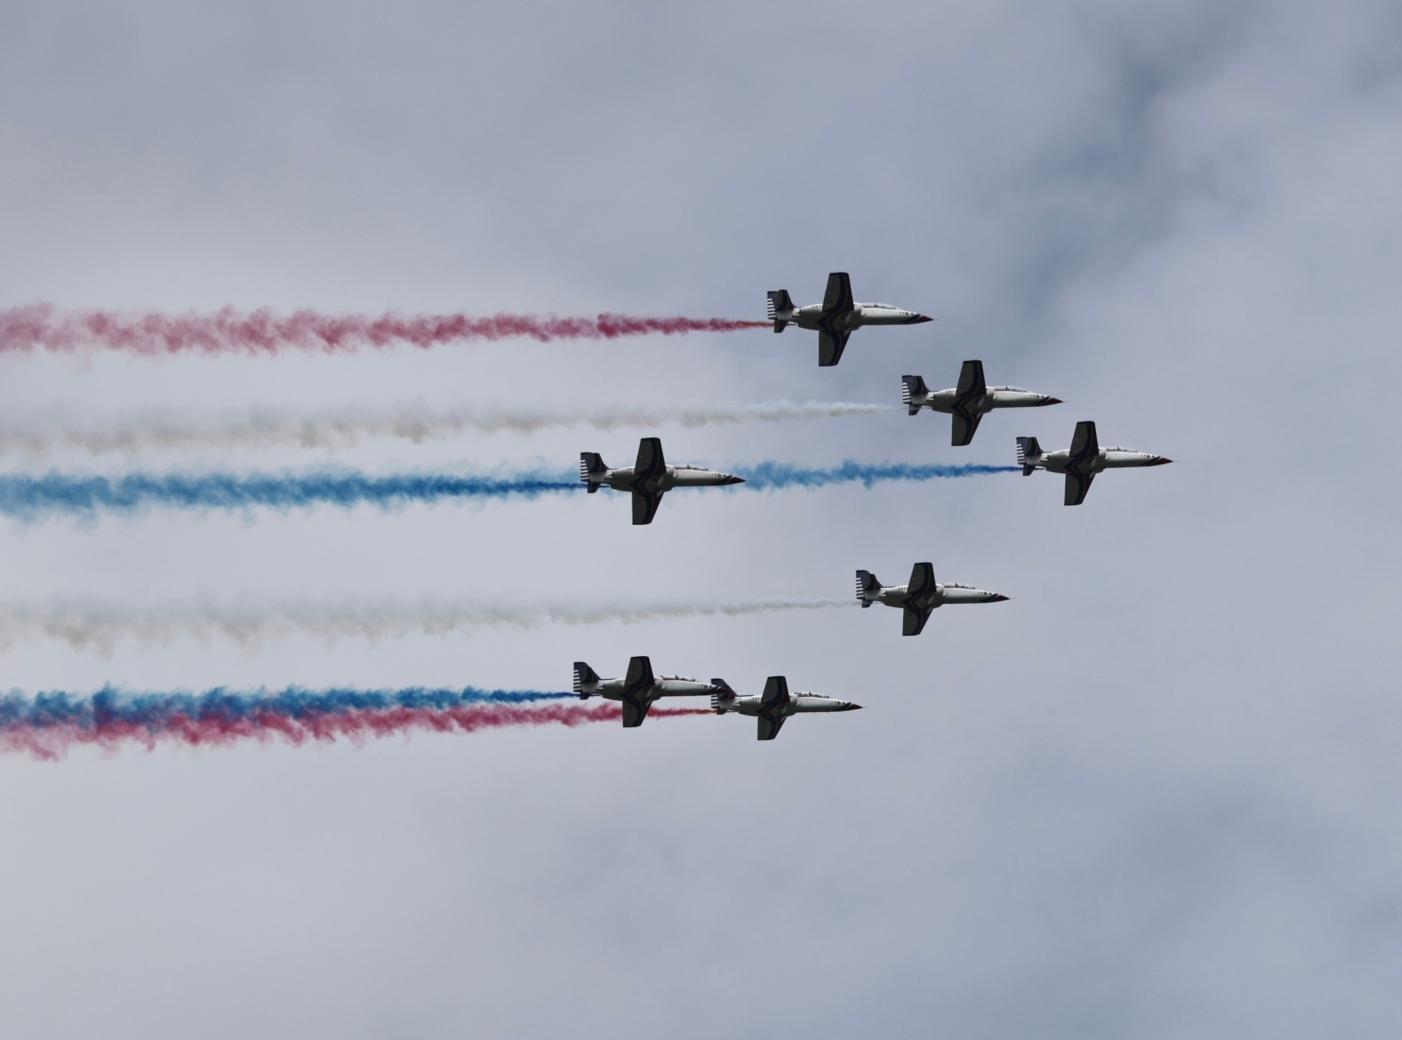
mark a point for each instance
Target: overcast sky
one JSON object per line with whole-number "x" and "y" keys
{"x": 1154, "y": 795}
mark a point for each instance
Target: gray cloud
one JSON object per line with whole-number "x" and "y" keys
{"x": 1147, "y": 797}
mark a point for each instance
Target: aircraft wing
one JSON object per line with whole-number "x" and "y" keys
{"x": 965, "y": 423}
{"x": 913, "y": 620}
{"x": 971, "y": 382}
{"x": 634, "y": 712}
{"x": 645, "y": 505}
{"x": 637, "y": 691}
{"x": 922, "y": 581}
{"x": 831, "y": 344}
{"x": 1084, "y": 442}
{"x": 837, "y": 299}
{"x": 773, "y": 704}
{"x": 650, "y": 461}
{"x": 638, "y": 681}
{"x": 1077, "y": 484}
{"x": 776, "y": 693}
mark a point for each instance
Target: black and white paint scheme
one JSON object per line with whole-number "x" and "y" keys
{"x": 969, "y": 401}
{"x": 837, "y": 317}
{"x": 1082, "y": 461}
{"x": 638, "y": 688}
{"x": 774, "y": 705}
{"x": 649, "y": 478}
{"x": 917, "y": 598}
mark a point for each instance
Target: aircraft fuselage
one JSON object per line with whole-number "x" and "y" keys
{"x": 798, "y": 703}
{"x": 662, "y": 686}
{"x": 945, "y": 401}
{"x": 811, "y": 316}
{"x": 1105, "y": 458}
{"x": 899, "y": 596}
{"x": 625, "y": 479}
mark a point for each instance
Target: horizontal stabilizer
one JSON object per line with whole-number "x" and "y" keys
{"x": 868, "y": 587}
{"x": 778, "y": 306}
{"x": 584, "y": 676}
{"x": 592, "y": 469}
{"x": 1028, "y": 454}
{"x": 913, "y": 391}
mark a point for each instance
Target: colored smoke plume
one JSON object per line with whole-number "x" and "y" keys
{"x": 29, "y": 497}
{"x": 49, "y": 725}
{"x": 774, "y": 476}
{"x": 100, "y": 628}
{"x": 41, "y": 326}
{"x": 267, "y": 428}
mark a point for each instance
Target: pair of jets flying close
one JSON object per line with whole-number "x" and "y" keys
{"x": 969, "y": 401}
{"x": 639, "y": 688}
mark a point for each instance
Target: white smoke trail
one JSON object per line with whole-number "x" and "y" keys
{"x": 100, "y": 629}
{"x": 269, "y": 428}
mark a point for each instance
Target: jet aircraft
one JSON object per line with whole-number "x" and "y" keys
{"x": 836, "y": 317}
{"x": 920, "y": 596}
{"x": 968, "y": 402}
{"x": 637, "y": 690}
{"x": 774, "y": 705}
{"x": 1082, "y": 461}
{"x": 648, "y": 479}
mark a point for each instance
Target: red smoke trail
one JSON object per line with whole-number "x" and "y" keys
{"x": 41, "y": 327}
{"x": 215, "y": 730}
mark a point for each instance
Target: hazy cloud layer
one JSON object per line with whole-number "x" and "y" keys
{"x": 1151, "y": 796}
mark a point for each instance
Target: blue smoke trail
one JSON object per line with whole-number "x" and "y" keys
{"x": 771, "y": 476}
{"x": 111, "y": 706}
{"x": 28, "y": 497}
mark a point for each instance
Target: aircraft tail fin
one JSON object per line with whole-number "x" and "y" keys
{"x": 722, "y": 697}
{"x": 779, "y": 305}
{"x": 867, "y": 588}
{"x": 913, "y": 391}
{"x": 584, "y": 676}
{"x": 592, "y": 469}
{"x": 1028, "y": 454}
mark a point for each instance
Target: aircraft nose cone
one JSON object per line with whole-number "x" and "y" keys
{"x": 998, "y": 597}
{"x": 851, "y": 707}
{"x": 1054, "y": 400}
{"x": 730, "y": 479}
{"x": 1160, "y": 461}
{"x": 921, "y": 319}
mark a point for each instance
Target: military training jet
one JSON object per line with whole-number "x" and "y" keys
{"x": 637, "y": 690}
{"x": 774, "y": 705}
{"x": 969, "y": 401}
{"x": 1082, "y": 461}
{"x": 836, "y": 317}
{"x": 922, "y": 595}
{"x": 648, "y": 479}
